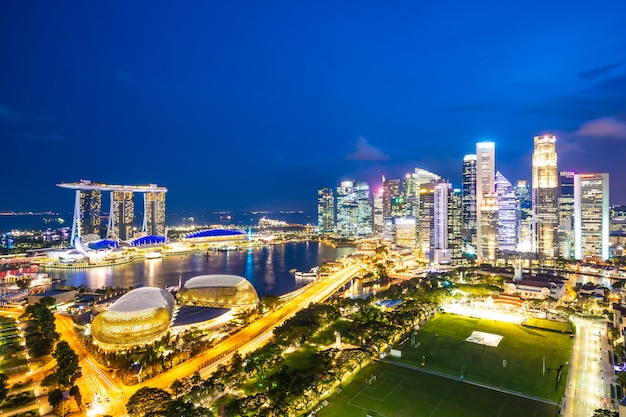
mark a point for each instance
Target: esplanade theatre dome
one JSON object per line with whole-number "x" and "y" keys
{"x": 139, "y": 317}
{"x": 226, "y": 291}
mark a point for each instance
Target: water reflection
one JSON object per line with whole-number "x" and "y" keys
{"x": 267, "y": 268}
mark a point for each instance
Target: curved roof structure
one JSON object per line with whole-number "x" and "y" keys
{"x": 225, "y": 291}
{"x": 215, "y": 233}
{"x": 147, "y": 240}
{"x": 139, "y": 317}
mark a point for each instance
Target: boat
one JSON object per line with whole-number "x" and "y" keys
{"x": 154, "y": 255}
{"x": 312, "y": 274}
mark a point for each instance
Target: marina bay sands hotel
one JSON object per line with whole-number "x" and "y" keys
{"x": 88, "y": 205}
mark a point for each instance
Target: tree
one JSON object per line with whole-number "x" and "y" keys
{"x": 75, "y": 392}
{"x": 68, "y": 370}
{"x": 3, "y": 387}
{"x": 147, "y": 400}
{"x": 55, "y": 397}
{"x": 621, "y": 379}
{"x": 177, "y": 387}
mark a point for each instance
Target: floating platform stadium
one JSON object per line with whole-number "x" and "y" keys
{"x": 144, "y": 315}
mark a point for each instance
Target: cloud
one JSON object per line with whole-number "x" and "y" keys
{"x": 39, "y": 137}
{"x": 8, "y": 115}
{"x": 596, "y": 73}
{"x": 606, "y": 127}
{"x": 366, "y": 152}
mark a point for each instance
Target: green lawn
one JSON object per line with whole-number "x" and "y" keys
{"x": 327, "y": 336}
{"x": 401, "y": 392}
{"x": 516, "y": 364}
{"x": 557, "y": 326}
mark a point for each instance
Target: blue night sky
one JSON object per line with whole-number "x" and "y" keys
{"x": 252, "y": 105}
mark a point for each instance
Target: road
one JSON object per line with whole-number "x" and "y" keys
{"x": 97, "y": 383}
{"x": 587, "y": 388}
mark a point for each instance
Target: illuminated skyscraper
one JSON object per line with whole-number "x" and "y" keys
{"x": 525, "y": 232}
{"x": 485, "y": 185}
{"x": 508, "y": 214}
{"x": 154, "y": 214}
{"x": 391, "y": 190}
{"x": 566, "y": 215}
{"x": 469, "y": 199}
{"x": 123, "y": 215}
{"x": 354, "y": 210}
{"x": 378, "y": 217}
{"x": 325, "y": 210}
{"x": 545, "y": 193}
{"x": 488, "y": 227}
{"x": 405, "y": 234}
{"x": 426, "y": 222}
{"x": 591, "y": 216}
{"x": 455, "y": 225}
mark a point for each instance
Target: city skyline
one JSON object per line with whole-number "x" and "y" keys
{"x": 252, "y": 108}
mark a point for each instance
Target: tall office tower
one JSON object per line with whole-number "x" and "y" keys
{"x": 485, "y": 185}
{"x": 426, "y": 221}
{"x": 391, "y": 190}
{"x": 488, "y": 227}
{"x": 325, "y": 211}
{"x": 354, "y": 210}
{"x": 389, "y": 232}
{"x": 455, "y": 225}
{"x": 591, "y": 216}
{"x": 442, "y": 191}
{"x": 364, "y": 213}
{"x": 86, "y": 219}
{"x": 508, "y": 214}
{"x": 545, "y": 193}
{"x": 121, "y": 221}
{"x": 378, "y": 213}
{"x": 410, "y": 193}
{"x": 405, "y": 234}
{"x": 154, "y": 214}
{"x": 525, "y": 233}
{"x": 566, "y": 215}
{"x": 469, "y": 200}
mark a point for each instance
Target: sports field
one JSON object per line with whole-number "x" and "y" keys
{"x": 403, "y": 392}
{"x": 516, "y": 363}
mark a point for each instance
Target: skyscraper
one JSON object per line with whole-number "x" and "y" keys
{"x": 154, "y": 217}
{"x": 455, "y": 226}
{"x": 426, "y": 221}
{"x": 545, "y": 194}
{"x": 90, "y": 207}
{"x": 488, "y": 227}
{"x": 121, "y": 220}
{"x": 354, "y": 210}
{"x": 405, "y": 234}
{"x": 591, "y": 216}
{"x": 325, "y": 210}
{"x": 525, "y": 232}
{"x": 391, "y": 190}
{"x": 508, "y": 214}
{"x": 378, "y": 217}
{"x": 469, "y": 200}
{"x": 485, "y": 185}
{"x": 566, "y": 215}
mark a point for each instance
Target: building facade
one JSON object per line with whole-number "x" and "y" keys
{"x": 566, "y": 215}
{"x": 485, "y": 185}
{"x": 508, "y": 214}
{"x": 545, "y": 193}
{"x": 469, "y": 199}
{"x": 591, "y": 216}
{"x": 325, "y": 211}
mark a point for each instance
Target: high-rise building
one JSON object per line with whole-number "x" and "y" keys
{"x": 508, "y": 214}
{"x": 426, "y": 222}
{"x": 566, "y": 215}
{"x": 545, "y": 193}
{"x": 525, "y": 232}
{"x": 325, "y": 210}
{"x": 591, "y": 216}
{"x": 469, "y": 200}
{"x": 391, "y": 190}
{"x": 90, "y": 207}
{"x": 154, "y": 217}
{"x": 455, "y": 226}
{"x": 485, "y": 185}
{"x": 378, "y": 213}
{"x": 488, "y": 227}
{"x": 354, "y": 210}
{"x": 121, "y": 221}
